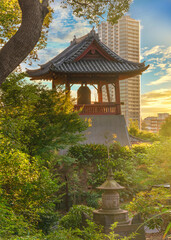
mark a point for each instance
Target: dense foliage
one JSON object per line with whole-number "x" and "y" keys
{"x": 94, "y": 10}
{"x": 153, "y": 207}
{"x": 34, "y": 122}
{"x": 37, "y": 120}
{"x": 27, "y": 190}
{"x": 158, "y": 160}
{"x": 165, "y": 130}
{"x": 74, "y": 218}
{"x": 92, "y": 164}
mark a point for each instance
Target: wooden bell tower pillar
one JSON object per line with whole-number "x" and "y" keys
{"x": 100, "y": 97}
{"x": 117, "y": 97}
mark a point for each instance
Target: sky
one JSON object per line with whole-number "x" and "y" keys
{"x": 155, "y": 21}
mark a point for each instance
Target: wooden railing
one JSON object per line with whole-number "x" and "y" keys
{"x": 98, "y": 109}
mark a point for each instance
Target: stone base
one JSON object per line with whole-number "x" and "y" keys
{"x": 124, "y": 227}
{"x": 126, "y": 230}
{"x": 108, "y": 217}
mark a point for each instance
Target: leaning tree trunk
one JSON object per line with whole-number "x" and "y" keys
{"x": 22, "y": 43}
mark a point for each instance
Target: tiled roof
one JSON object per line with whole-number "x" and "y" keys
{"x": 65, "y": 61}
{"x": 93, "y": 66}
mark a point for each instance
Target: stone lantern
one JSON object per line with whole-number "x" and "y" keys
{"x": 111, "y": 212}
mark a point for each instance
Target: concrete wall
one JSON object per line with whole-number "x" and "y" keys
{"x": 103, "y": 127}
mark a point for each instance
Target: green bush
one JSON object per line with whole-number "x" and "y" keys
{"x": 92, "y": 161}
{"x": 140, "y": 148}
{"x": 88, "y": 154}
{"x": 149, "y": 204}
{"x": 37, "y": 236}
{"x": 73, "y": 219}
{"x": 27, "y": 187}
{"x": 36, "y": 119}
{"x": 91, "y": 232}
{"x": 158, "y": 160}
{"x": 92, "y": 199}
{"x": 11, "y": 224}
{"x": 47, "y": 220}
{"x": 63, "y": 234}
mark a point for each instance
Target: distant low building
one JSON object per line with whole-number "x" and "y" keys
{"x": 153, "y": 124}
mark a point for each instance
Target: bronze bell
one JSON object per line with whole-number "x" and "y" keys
{"x": 84, "y": 95}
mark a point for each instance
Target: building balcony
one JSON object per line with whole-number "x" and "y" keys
{"x": 98, "y": 109}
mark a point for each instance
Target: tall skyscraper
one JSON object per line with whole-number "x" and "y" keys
{"x": 124, "y": 39}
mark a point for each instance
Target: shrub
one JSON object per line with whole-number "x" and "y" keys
{"x": 10, "y": 223}
{"x": 47, "y": 220}
{"x": 91, "y": 232}
{"x": 150, "y": 204}
{"x": 63, "y": 234}
{"x": 27, "y": 187}
{"x": 73, "y": 219}
{"x": 128, "y": 166}
{"x": 92, "y": 199}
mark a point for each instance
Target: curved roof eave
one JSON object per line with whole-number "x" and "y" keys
{"x": 76, "y": 48}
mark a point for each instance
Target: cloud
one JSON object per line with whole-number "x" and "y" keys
{"x": 159, "y": 58}
{"x": 159, "y": 73}
{"x": 155, "y": 50}
{"x": 156, "y": 101}
{"x": 159, "y": 53}
{"x": 64, "y": 25}
{"x": 164, "y": 79}
{"x": 67, "y": 34}
{"x": 162, "y": 66}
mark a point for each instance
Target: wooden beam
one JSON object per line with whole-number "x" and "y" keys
{"x": 100, "y": 97}
{"x": 117, "y": 97}
{"x": 108, "y": 93}
{"x": 53, "y": 85}
{"x": 67, "y": 88}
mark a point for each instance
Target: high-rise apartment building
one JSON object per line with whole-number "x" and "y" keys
{"x": 124, "y": 39}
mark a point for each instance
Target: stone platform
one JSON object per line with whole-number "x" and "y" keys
{"x": 103, "y": 127}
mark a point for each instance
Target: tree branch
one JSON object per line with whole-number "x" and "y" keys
{"x": 23, "y": 42}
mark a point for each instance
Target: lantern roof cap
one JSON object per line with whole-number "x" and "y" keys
{"x": 110, "y": 183}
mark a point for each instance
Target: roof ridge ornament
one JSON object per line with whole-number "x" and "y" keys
{"x": 93, "y": 33}
{"x": 74, "y": 40}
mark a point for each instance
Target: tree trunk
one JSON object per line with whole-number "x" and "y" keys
{"x": 23, "y": 42}
{"x": 66, "y": 194}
